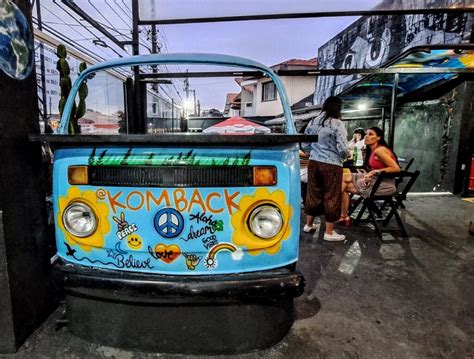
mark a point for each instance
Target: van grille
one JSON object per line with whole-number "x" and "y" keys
{"x": 171, "y": 176}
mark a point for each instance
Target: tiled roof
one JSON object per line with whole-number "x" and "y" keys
{"x": 299, "y": 62}
{"x": 231, "y": 97}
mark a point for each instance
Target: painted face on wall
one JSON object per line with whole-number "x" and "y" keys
{"x": 371, "y": 137}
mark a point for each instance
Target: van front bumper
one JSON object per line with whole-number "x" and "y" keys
{"x": 216, "y": 314}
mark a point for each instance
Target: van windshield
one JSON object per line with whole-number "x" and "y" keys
{"x": 179, "y": 98}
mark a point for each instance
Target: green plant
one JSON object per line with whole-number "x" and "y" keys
{"x": 65, "y": 84}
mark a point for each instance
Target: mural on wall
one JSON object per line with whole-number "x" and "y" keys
{"x": 16, "y": 42}
{"x": 372, "y": 41}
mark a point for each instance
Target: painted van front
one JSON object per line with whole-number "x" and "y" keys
{"x": 188, "y": 240}
{"x": 183, "y": 211}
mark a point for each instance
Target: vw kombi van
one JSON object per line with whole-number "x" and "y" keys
{"x": 179, "y": 242}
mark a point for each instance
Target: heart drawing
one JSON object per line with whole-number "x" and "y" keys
{"x": 166, "y": 253}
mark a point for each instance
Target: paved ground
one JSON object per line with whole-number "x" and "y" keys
{"x": 364, "y": 298}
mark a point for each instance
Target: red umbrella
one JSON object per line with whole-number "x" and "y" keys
{"x": 237, "y": 126}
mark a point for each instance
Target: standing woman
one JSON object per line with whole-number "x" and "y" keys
{"x": 379, "y": 157}
{"x": 325, "y": 168}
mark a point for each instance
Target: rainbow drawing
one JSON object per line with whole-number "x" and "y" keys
{"x": 211, "y": 260}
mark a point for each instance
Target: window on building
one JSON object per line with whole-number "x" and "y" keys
{"x": 268, "y": 91}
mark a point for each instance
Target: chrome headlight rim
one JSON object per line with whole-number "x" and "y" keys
{"x": 257, "y": 210}
{"x": 86, "y": 208}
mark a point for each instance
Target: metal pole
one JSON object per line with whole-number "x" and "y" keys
{"x": 194, "y": 94}
{"x": 391, "y": 133}
{"x": 383, "y": 120}
{"x": 138, "y": 121}
{"x": 154, "y": 50}
{"x": 172, "y": 115}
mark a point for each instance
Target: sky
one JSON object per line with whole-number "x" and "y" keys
{"x": 269, "y": 42}
{"x": 266, "y": 41}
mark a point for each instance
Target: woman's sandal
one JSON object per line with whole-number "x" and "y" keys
{"x": 345, "y": 220}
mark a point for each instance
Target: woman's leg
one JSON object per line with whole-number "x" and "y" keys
{"x": 314, "y": 196}
{"x": 314, "y": 204}
{"x": 346, "y": 179}
{"x": 347, "y": 187}
{"x": 304, "y": 188}
{"x": 346, "y": 199}
{"x": 329, "y": 227}
{"x": 332, "y": 178}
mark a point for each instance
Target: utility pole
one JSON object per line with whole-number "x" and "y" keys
{"x": 155, "y": 49}
{"x": 186, "y": 90}
{"x": 42, "y": 67}
{"x": 186, "y": 85}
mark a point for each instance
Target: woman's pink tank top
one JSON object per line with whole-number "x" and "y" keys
{"x": 375, "y": 163}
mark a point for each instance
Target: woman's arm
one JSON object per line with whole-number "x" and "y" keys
{"x": 341, "y": 140}
{"x": 385, "y": 157}
{"x": 310, "y": 130}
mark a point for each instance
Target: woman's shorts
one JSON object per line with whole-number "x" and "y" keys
{"x": 324, "y": 190}
{"x": 386, "y": 188}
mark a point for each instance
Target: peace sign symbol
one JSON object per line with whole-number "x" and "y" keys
{"x": 168, "y": 222}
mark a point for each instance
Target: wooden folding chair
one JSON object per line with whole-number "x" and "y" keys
{"x": 395, "y": 201}
{"x": 405, "y": 163}
{"x": 405, "y": 166}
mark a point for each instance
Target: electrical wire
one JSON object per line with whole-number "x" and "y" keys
{"x": 73, "y": 44}
{"x": 100, "y": 13}
{"x": 142, "y": 42}
{"x": 129, "y": 9}
{"x": 69, "y": 14}
{"x": 125, "y": 22}
{"x": 90, "y": 26}
{"x": 82, "y": 25}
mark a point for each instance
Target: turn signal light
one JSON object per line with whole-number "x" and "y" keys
{"x": 264, "y": 176}
{"x": 77, "y": 175}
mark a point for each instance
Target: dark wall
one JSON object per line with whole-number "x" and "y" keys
{"x": 25, "y": 282}
{"x": 429, "y": 133}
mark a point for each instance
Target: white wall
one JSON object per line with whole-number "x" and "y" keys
{"x": 297, "y": 87}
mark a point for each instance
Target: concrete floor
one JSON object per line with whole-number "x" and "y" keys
{"x": 364, "y": 298}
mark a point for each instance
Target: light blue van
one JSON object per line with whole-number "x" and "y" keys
{"x": 196, "y": 234}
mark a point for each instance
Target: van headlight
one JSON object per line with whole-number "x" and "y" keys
{"x": 79, "y": 219}
{"x": 265, "y": 221}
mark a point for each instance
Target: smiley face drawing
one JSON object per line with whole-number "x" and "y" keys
{"x": 134, "y": 242}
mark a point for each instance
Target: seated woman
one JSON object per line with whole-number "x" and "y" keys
{"x": 379, "y": 158}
